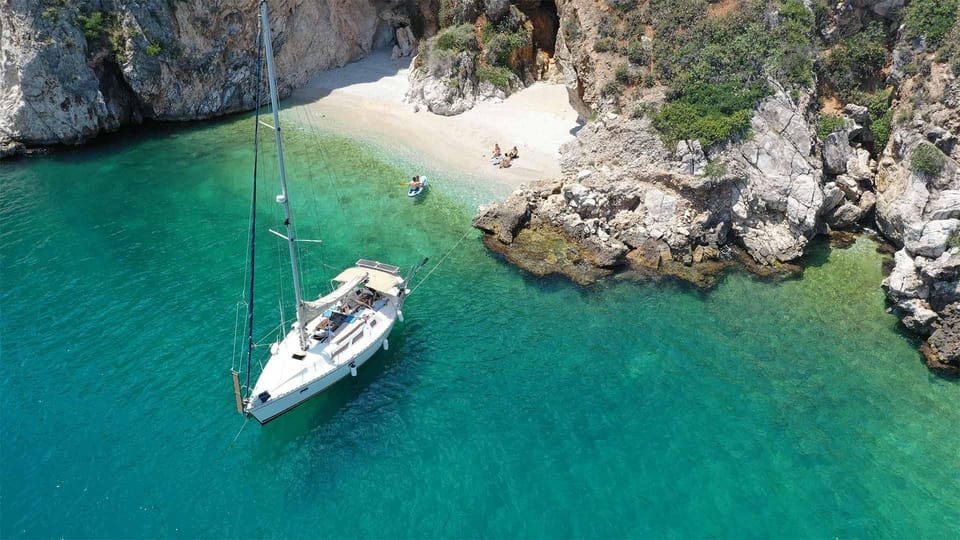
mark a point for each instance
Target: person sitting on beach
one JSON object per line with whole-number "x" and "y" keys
{"x": 496, "y": 150}
{"x": 513, "y": 154}
{"x": 506, "y": 162}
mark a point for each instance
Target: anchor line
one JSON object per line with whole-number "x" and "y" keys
{"x": 445, "y": 255}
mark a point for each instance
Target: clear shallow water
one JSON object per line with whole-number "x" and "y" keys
{"x": 506, "y": 405}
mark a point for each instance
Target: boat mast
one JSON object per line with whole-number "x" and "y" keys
{"x": 283, "y": 198}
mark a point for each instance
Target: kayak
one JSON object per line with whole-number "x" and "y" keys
{"x": 423, "y": 187}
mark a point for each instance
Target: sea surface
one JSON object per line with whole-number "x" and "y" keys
{"x": 506, "y": 405}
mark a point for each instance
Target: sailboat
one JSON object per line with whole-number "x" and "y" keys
{"x": 334, "y": 334}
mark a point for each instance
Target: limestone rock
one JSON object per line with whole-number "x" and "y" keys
{"x": 933, "y": 241}
{"x": 904, "y": 282}
{"x": 406, "y": 41}
{"x": 858, "y": 167}
{"x": 836, "y": 152}
{"x": 858, "y": 113}
{"x": 503, "y": 219}
{"x": 177, "y": 61}
{"x": 918, "y": 316}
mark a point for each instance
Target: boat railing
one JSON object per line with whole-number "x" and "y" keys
{"x": 376, "y": 265}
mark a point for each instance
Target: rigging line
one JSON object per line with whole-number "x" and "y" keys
{"x": 332, "y": 177}
{"x": 253, "y": 205}
{"x": 445, "y": 255}
{"x": 314, "y": 193}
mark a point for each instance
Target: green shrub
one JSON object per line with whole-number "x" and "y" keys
{"x": 678, "y": 120}
{"x": 50, "y": 14}
{"x": 441, "y": 62}
{"x": 603, "y": 44}
{"x": 154, "y": 49}
{"x": 829, "y": 123}
{"x": 949, "y": 52}
{"x": 640, "y": 111}
{"x": 457, "y": 38}
{"x": 637, "y": 53}
{"x": 878, "y": 102}
{"x": 623, "y": 74}
{"x": 503, "y": 39}
{"x": 930, "y": 19}
{"x": 634, "y": 27}
{"x": 954, "y": 240}
{"x": 497, "y": 76}
{"x": 881, "y": 131}
{"x": 857, "y": 59}
{"x": 606, "y": 28}
{"x": 716, "y": 168}
{"x": 612, "y": 89}
{"x": 93, "y": 25}
{"x": 717, "y": 67}
{"x": 927, "y": 159}
{"x": 624, "y": 5}
{"x": 794, "y": 52}
{"x": 881, "y": 117}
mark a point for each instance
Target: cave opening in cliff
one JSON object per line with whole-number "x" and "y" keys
{"x": 545, "y": 20}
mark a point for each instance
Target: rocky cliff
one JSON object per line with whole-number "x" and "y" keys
{"x": 485, "y": 50}
{"x": 71, "y": 70}
{"x": 725, "y": 128}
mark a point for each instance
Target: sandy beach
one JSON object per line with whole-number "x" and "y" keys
{"x": 364, "y": 100}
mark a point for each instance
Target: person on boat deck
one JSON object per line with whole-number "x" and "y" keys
{"x": 416, "y": 183}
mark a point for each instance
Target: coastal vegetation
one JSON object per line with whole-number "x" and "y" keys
{"x": 855, "y": 62}
{"x": 490, "y": 52}
{"x": 717, "y": 67}
{"x": 495, "y": 75}
{"x": 927, "y": 159}
{"x": 828, "y": 123}
{"x": 932, "y": 20}
{"x": 457, "y": 38}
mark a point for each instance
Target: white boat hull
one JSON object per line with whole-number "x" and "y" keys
{"x": 275, "y": 407}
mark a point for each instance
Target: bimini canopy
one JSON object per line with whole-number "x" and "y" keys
{"x": 316, "y": 307}
{"x": 378, "y": 280}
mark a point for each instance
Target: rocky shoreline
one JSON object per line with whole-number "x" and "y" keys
{"x": 629, "y": 202}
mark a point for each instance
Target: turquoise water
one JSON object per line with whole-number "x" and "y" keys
{"x": 507, "y": 406}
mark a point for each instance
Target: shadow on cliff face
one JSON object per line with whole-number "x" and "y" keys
{"x": 376, "y": 67}
{"x": 545, "y": 20}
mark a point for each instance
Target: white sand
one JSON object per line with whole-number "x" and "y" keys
{"x": 365, "y": 100}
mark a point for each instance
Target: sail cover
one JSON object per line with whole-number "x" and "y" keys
{"x": 378, "y": 280}
{"x": 313, "y": 309}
